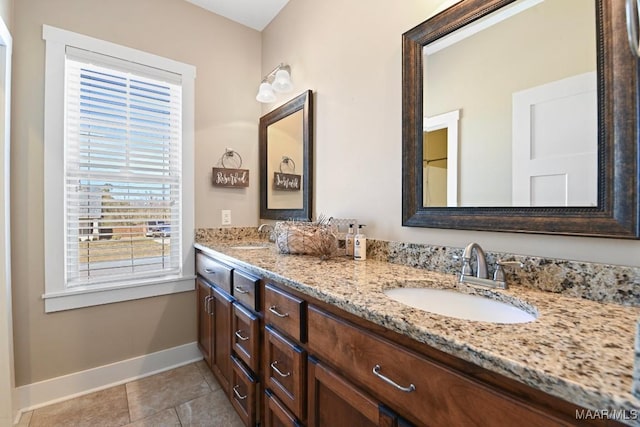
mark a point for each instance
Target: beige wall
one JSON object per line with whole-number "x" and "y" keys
{"x": 349, "y": 54}
{"x": 227, "y": 57}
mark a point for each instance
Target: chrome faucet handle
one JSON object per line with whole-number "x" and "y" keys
{"x": 498, "y": 274}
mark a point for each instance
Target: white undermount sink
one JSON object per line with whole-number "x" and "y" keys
{"x": 448, "y": 302}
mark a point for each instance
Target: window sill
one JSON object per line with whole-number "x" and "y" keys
{"x": 86, "y": 297}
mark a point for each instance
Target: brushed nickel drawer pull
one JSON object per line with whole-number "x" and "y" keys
{"x": 207, "y": 304}
{"x": 239, "y": 335}
{"x": 376, "y": 372}
{"x": 274, "y": 310}
{"x": 210, "y": 271}
{"x": 238, "y": 395}
{"x": 278, "y": 371}
{"x": 240, "y": 290}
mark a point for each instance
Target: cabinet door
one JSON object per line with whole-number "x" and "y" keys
{"x": 203, "y": 297}
{"x": 220, "y": 306}
{"x": 334, "y": 401}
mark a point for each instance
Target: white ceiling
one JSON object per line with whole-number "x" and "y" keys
{"x": 255, "y": 14}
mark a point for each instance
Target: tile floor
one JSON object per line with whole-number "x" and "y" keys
{"x": 185, "y": 396}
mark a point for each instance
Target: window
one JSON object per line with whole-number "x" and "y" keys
{"x": 118, "y": 171}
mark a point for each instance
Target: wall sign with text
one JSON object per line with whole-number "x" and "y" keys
{"x": 286, "y": 181}
{"x": 227, "y": 177}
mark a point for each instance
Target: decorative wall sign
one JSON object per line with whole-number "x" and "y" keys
{"x": 230, "y": 177}
{"x": 226, "y": 177}
{"x": 286, "y": 181}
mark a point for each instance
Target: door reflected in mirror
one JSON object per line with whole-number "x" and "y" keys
{"x": 524, "y": 82}
{"x": 435, "y": 168}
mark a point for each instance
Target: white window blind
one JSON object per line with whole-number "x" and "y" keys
{"x": 122, "y": 170}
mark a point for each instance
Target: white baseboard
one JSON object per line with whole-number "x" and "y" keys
{"x": 36, "y": 395}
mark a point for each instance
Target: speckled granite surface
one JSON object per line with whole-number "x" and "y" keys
{"x": 597, "y": 282}
{"x": 579, "y": 350}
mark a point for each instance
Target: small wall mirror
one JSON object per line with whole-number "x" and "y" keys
{"x": 521, "y": 115}
{"x": 286, "y": 160}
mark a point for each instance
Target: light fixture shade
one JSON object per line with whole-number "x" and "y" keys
{"x": 282, "y": 81}
{"x": 265, "y": 93}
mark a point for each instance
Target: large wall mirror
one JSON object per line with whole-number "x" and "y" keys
{"x": 521, "y": 115}
{"x": 286, "y": 160}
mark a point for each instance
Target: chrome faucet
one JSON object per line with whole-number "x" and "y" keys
{"x": 481, "y": 276}
{"x": 481, "y": 262}
{"x": 263, "y": 226}
{"x": 267, "y": 228}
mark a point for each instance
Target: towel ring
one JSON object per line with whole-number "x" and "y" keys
{"x": 288, "y": 161}
{"x": 231, "y": 154}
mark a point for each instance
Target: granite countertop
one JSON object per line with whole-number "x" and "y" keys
{"x": 578, "y": 350}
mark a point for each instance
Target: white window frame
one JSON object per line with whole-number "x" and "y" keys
{"x": 57, "y": 296}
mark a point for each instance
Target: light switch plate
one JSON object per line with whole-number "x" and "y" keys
{"x": 226, "y": 217}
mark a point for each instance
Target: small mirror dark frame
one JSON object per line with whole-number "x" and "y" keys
{"x": 302, "y": 102}
{"x": 616, "y": 214}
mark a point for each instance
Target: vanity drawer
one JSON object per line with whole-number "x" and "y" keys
{"x": 214, "y": 272}
{"x": 285, "y": 311}
{"x": 245, "y": 289}
{"x": 418, "y": 389}
{"x": 285, "y": 371}
{"x": 243, "y": 392}
{"x": 246, "y": 336}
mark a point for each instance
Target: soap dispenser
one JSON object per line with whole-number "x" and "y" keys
{"x": 348, "y": 240}
{"x": 360, "y": 245}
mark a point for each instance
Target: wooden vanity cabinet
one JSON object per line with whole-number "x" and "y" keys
{"x": 229, "y": 332}
{"x": 320, "y": 366}
{"x": 214, "y": 317}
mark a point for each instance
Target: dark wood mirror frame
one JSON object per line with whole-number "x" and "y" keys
{"x": 616, "y": 214}
{"x": 302, "y": 102}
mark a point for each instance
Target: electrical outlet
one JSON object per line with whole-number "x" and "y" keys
{"x": 226, "y": 217}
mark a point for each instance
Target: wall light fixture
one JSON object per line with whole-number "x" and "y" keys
{"x": 278, "y": 80}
